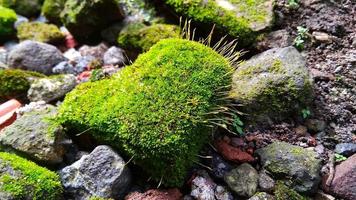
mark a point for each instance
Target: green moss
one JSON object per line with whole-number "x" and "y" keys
{"x": 52, "y": 9}
{"x": 7, "y": 19}
{"x": 99, "y": 198}
{"x": 35, "y": 181}
{"x": 282, "y": 192}
{"x": 208, "y": 12}
{"x": 15, "y": 82}
{"x": 154, "y": 110}
{"x": 276, "y": 67}
{"x": 138, "y": 36}
{"x": 40, "y": 32}
{"x": 28, "y": 8}
{"x": 251, "y": 8}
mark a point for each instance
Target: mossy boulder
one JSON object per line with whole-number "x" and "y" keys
{"x": 238, "y": 18}
{"x": 137, "y": 36}
{"x": 272, "y": 85}
{"x": 85, "y": 19}
{"x": 155, "y": 110}
{"x": 35, "y": 136}
{"x": 52, "y": 9}
{"x": 15, "y": 83}
{"x": 292, "y": 164}
{"x": 39, "y": 31}
{"x": 28, "y": 8}
{"x": 7, "y": 19}
{"x": 23, "y": 179}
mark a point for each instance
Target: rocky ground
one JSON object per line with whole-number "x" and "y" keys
{"x": 286, "y": 132}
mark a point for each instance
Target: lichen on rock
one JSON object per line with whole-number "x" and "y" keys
{"x": 272, "y": 85}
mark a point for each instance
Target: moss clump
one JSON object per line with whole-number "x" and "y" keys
{"x": 33, "y": 182}
{"x": 282, "y": 192}
{"x": 28, "y": 8}
{"x": 138, "y": 36}
{"x": 41, "y": 32}
{"x": 7, "y": 19}
{"x": 52, "y": 9}
{"x": 15, "y": 82}
{"x": 156, "y": 109}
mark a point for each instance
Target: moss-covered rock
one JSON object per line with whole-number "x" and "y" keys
{"x": 28, "y": 8}
{"x": 23, "y": 179}
{"x": 283, "y": 192}
{"x": 156, "y": 109}
{"x": 238, "y": 18}
{"x": 15, "y": 83}
{"x": 273, "y": 85}
{"x": 85, "y": 19}
{"x": 137, "y": 36}
{"x": 292, "y": 163}
{"x": 52, "y": 9}
{"x": 7, "y": 19}
{"x": 41, "y": 32}
{"x": 35, "y": 136}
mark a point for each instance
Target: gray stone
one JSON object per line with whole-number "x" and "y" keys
{"x": 296, "y": 164}
{"x": 346, "y": 149}
{"x": 52, "y": 88}
{"x": 262, "y": 196}
{"x": 265, "y": 182}
{"x": 114, "y": 56}
{"x": 204, "y": 188}
{"x": 102, "y": 173}
{"x": 34, "y": 135}
{"x": 35, "y": 56}
{"x": 243, "y": 180}
{"x": 272, "y": 85}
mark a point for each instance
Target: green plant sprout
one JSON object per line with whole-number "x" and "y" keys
{"x": 302, "y": 36}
